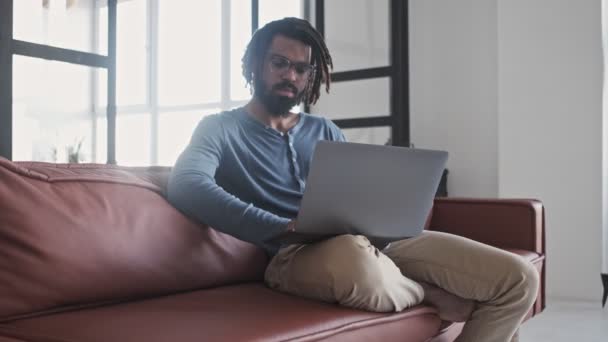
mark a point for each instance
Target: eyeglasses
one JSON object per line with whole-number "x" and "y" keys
{"x": 280, "y": 64}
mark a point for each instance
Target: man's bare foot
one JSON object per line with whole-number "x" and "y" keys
{"x": 451, "y": 307}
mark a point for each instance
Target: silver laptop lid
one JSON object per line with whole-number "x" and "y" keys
{"x": 378, "y": 191}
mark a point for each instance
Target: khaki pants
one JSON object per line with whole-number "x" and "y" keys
{"x": 350, "y": 271}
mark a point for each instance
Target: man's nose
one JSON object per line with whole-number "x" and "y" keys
{"x": 290, "y": 74}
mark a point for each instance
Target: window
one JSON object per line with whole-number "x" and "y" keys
{"x": 369, "y": 135}
{"x": 131, "y": 52}
{"x": 171, "y": 70}
{"x": 369, "y": 51}
{"x": 277, "y": 9}
{"x": 51, "y": 113}
{"x": 177, "y": 61}
{"x": 189, "y": 52}
{"x": 170, "y": 144}
{"x": 57, "y": 23}
{"x": 338, "y": 103}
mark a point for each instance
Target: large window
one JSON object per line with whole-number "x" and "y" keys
{"x": 52, "y": 113}
{"x": 369, "y": 51}
{"x": 48, "y": 76}
{"x": 126, "y": 81}
{"x": 178, "y": 61}
{"x": 77, "y": 95}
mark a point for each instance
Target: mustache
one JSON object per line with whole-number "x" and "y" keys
{"x": 285, "y": 85}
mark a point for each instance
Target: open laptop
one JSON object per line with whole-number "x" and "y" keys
{"x": 382, "y": 192}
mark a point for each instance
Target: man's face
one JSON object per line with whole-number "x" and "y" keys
{"x": 286, "y": 70}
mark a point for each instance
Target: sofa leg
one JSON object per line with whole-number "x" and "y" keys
{"x": 605, "y": 282}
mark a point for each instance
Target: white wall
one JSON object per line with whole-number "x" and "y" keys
{"x": 550, "y": 129}
{"x": 512, "y": 88}
{"x": 453, "y": 57}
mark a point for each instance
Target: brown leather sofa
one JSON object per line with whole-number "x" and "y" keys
{"x": 95, "y": 253}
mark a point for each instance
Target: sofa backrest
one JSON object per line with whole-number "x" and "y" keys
{"x": 82, "y": 235}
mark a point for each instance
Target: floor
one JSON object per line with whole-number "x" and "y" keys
{"x": 568, "y": 321}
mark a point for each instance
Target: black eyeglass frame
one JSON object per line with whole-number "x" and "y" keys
{"x": 303, "y": 70}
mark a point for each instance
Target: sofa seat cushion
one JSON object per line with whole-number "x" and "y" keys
{"x": 246, "y": 312}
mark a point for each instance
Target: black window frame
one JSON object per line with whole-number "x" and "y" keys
{"x": 10, "y": 47}
{"x": 397, "y": 71}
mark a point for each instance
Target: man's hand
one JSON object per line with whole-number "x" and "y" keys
{"x": 291, "y": 226}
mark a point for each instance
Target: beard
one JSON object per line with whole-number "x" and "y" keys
{"x": 277, "y": 105}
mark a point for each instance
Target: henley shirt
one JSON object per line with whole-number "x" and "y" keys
{"x": 244, "y": 178}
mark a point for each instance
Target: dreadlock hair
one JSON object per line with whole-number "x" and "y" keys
{"x": 297, "y": 29}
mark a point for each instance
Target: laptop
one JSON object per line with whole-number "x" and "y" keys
{"x": 382, "y": 192}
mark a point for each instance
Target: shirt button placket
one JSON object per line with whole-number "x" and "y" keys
{"x": 294, "y": 160}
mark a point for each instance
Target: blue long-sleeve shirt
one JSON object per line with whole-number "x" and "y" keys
{"x": 246, "y": 179}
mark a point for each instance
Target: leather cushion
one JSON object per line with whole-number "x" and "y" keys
{"x": 247, "y": 312}
{"x": 79, "y": 235}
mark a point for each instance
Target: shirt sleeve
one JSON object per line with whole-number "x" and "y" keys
{"x": 192, "y": 189}
{"x": 335, "y": 133}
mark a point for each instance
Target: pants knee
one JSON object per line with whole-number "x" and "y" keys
{"x": 348, "y": 256}
{"x": 532, "y": 277}
{"x": 367, "y": 279}
{"x": 526, "y": 280}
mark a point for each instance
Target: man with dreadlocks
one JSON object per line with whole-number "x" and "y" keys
{"x": 244, "y": 173}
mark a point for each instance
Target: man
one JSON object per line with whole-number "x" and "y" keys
{"x": 244, "y": 173}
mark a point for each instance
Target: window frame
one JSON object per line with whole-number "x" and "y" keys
{"x": 152, "y": 106}
{"x": 397, "y": 71}
{"x": 10, "y": 47}
{"x": 398, "y": 119}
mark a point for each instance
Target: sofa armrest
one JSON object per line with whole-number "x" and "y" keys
{"x": 504, "y": 223}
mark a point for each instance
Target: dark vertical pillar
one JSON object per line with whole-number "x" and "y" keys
{"x": 255, "y": 15}
{"x": 400, "y": 89}
{"x": 111, "y": 109}
{"x": 320, "y": 16}
{"x": 605, "y": 283}
{"x": 6, "y": 79}
{"x": 319, "y": 24}
{"x": 307, "y": 11}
